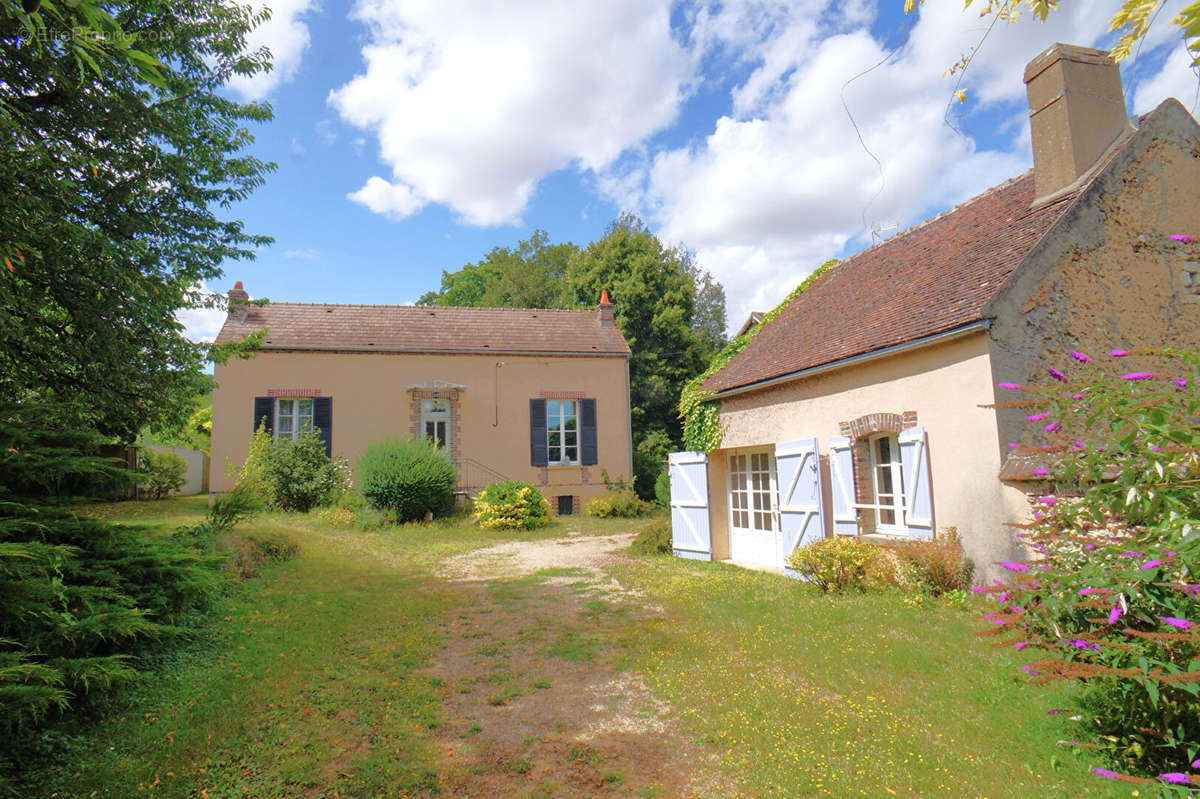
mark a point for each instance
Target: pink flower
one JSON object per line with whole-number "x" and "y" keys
{"x": 1181, "y": 382}
{"x": 1177, "y": 777}
{"x": 1079, "y": 643}
{"x": 1036, "y": 417}
{"x": 1151, "y": 564}
{"x": 1047, "y": 500}
{"x": 1013, "y": 386}
{"x": 1196, "y": 763}
{"x": 978, "y": 589}
{"x": 1040, "y": 472}
{"x": 1180, "y": 237}
{"x": 1030, "y": 670}
{"x": 1141, "y": 376}
{"x": 1057, "y": 375}
{"x": 1115, "y": 614}
{"x": 1103, "y": 772}
{"x": 1050, "y": 428}
{"x": 1119, "y": 353}
{"x": 1015, "y": 567}
{"x": 1019, "y": 645}
{"x": 1086, "y": 591}
{"x": 1179, "y": 624}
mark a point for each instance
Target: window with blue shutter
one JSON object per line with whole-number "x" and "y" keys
{"x": 537, "y": 432}
{"x": 323, "y": 421}
{"x": 588, "y": 449}
{"x": 264, "y": 414}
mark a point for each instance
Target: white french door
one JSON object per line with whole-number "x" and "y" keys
{"x": 753, "y": 524}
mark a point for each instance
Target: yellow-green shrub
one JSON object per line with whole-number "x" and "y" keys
{"x": 834, "y": 564}
{"x": 619, "y": 504}
{"x": 511, "y": 505}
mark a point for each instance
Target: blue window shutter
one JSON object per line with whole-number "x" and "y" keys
{"x": 537, "y": 432}
{"x": 588, "y": 454}
{"x": 264, "y": 413}
{"x": 323, "y": 421}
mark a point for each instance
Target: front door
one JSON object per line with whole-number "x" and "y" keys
{"x": 753, "y": 526}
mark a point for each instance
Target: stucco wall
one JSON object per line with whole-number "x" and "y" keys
{"x": 195, "y": 479}
{"x": 1107, "y": 275}
{"x": 371, "y": 402}
{"x": 945, "y": 384}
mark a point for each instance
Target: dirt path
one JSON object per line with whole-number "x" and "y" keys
{"x": 537, "y": 700}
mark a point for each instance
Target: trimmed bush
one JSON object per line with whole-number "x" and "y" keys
{"x": 834, "y": 564}
{"x": 511, "y": 505}
{"x": 620, "y": 504}
{"x": 299, "y": 475}
{"x": 409, "y": 479}
{"x": 654, "y": 539}
{"x": 160, "y": 473}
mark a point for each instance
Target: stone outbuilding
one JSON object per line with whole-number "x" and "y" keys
{"x": 862, "y": 409}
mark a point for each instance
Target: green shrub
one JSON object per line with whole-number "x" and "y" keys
{"x": 299, "y": 475}
{"x": 1108, "y": 597}
{"x": 511, "y": 505}
{"x": 238, "y": 505}
{"x": 160, "y": 472}
{"x": 834, "y": 564}
{"x": 654, "y": 539}
{"x": 935, "y": 567}
{"x": 336, "y": 516}
{"x": 662, "y": 490}
{"x": 409, "y": 479}
{"x": 621, "y": 504}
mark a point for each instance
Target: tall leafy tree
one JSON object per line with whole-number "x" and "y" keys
{"x": 114, "y": 163}
{"x": 531, "y": 275}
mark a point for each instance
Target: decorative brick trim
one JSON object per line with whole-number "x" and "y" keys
{"x": 455, "y": 431}
{"x": 293, "y": 392}
{"x": 876, "y": 423}
{"x": 908, "y": 420}
{"x": 844, "y": 429}
{"x": 576, "y": 504}
{"x": 562, "y": 394}
{"x": 435, "y": 393}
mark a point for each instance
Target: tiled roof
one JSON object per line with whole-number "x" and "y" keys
{"x": 929, "y": 279}
{"x": 406, "y": 328}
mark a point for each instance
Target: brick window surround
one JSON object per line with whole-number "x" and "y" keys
{"x": 859, "y": 431}
{"x": 414, "y": 417}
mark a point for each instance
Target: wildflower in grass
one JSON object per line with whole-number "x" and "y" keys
{"x": 1057, "y": 375}
{"x": 1115, "y": 614}
{"x": 1079, "y": 643}
{"x": 1141, "y": 376}
{"x": 1103, "y": 772}
{"x": 1040, "y": 472}
{"x": 1179, "y": 624}
{"x": 1030, "y": 670}
{"x": 1019, "y": 645}
{"x": 1180, "y": 381}
{"x": 1119, "y": 353}
{"x": 1013, "y": 386}
{"x": 1079, "y": 356}
{"x": 1151, "y": 564}
{"x": 1015, "y": 567}
{"x": 1036, "y": 417}
{"x": 1050, "y": 428}
{"x": 1180, "y": 237}
{"x": 1196, "y": 763}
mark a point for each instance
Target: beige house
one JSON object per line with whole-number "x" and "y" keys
{"x": 861, "y": 410}
{"x": 524, "y": 394}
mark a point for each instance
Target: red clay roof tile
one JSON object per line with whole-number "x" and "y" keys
{"x": 406, "y": 328}
{"x": 929, "y": 279}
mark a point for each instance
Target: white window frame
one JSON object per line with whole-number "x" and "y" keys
{"x": 765, "y": 491}
{"x": 437, "y": 413}
{"x": 895, "y": 468}
{"x": 559, "y": 453}
{"x": 299, "y": 422}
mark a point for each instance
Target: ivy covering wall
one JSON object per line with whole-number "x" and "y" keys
{"x": 699, "y": 410}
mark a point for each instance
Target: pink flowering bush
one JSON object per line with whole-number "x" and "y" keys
{"x": 1110, "y": 596}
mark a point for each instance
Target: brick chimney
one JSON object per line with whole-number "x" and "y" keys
{"x": 237, "y": 296}
{"x": 604, "y": 311}
{"x": 1076, "y": 111}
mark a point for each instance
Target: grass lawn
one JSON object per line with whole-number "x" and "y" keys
{"x": 315, "y": 680}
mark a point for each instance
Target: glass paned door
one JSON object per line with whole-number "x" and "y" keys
{"x": 753, "y": 527}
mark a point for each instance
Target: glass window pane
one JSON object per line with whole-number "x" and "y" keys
{"x": 286, "y": 407}
{"x": 887, "y": 517}
{"x": 885, "y": 480}
{"x": 571, "y": 454}
{"x": 306, "y": 406}
{"x": 284, "y": 424}
{"x": 569, "y": 437}
{"x": 555, "y": 438}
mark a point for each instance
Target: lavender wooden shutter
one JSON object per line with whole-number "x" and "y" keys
{"x": 538, "y": 454}
{"x": 690, "y": 534}
{"x": 588, "y": 451}
{"x": 264, "y": 413}
{"x": 918, "y": 492}
{"x": 841, "y": 478}
{"x": 798, "y": 469}
{"x": 323, "y": 421}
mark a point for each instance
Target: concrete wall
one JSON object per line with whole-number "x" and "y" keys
{"x": 371, "y": 402}
{"x": 945, "y": 384}
{"x": 1107, "y": 275}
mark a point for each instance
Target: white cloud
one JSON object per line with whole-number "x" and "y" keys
{"x": 304, "y": 255}
{"x": 298, "y": 149}
{"x": 474, "y": 103}
{"x": 393, "y": 200}
{"x": 1175, "y": 79}
{"x": 782, "y": 183}
{"x": 201, "y": 324}
{"x": 287, "y": 37}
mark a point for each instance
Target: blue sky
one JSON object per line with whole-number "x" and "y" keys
{"x": 413, "y": 137}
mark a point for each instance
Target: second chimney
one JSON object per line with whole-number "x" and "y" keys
{"x": 604, "y": 311}
{"x": 1076, "y": 110}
